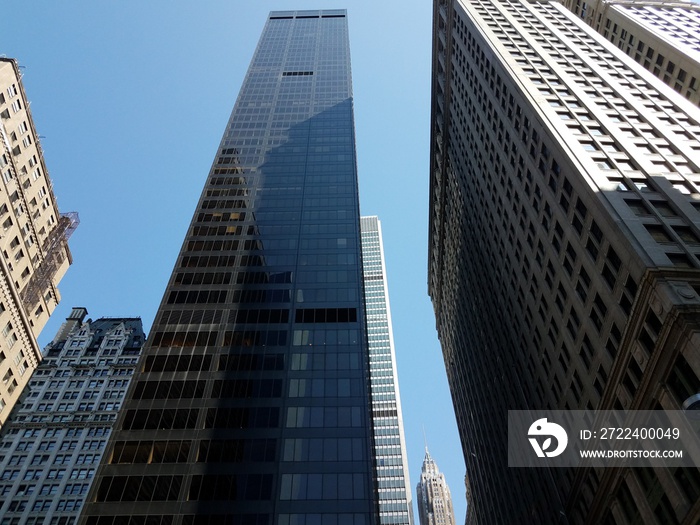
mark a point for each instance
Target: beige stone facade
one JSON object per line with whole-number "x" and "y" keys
{"x": 34, "y": 254}
{"x": 664, "y": 37}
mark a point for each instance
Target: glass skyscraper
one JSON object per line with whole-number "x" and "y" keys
{"x": 255, "y": 377}
{"x": 58, "y": 431}
{"x": 395, "y": 506}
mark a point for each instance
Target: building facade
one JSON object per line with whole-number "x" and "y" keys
{"x": 564, "y": 242}
{"x": 663, "y": 36}
{"x": 53, "y": 442}
{"x": 433, "y": 495}
{"x": 34, "y": 236}
{"x": 256, "y": 372}
{"x": 395, "y": 502}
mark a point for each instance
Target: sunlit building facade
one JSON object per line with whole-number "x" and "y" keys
{"x": 256, "y": 372}
{"x": 395, "y": 505}
{"x": 433, "y": 495}
{"x": 34, "y": 253}
{"x": 563, "y": 256}
{"x": 661, "y": 35}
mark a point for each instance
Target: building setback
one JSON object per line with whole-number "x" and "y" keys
{"x": 433, "y": 495}
{"x": 395, "y": 504}
{"x": 663, "y": 36}
{"x": 57, "y": 433}
{"x": 256, "y": 373}
{"x": 563, "y": 256}
{"x": 34, "y": 252}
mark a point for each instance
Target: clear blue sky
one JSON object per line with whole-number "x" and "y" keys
{"x": 131, "y": 98}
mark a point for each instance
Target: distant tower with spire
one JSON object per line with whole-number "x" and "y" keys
{"x": 433, "y": 495}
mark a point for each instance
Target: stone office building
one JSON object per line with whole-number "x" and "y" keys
{"x": 663, "y": 36}
{"x": 34, "y": 253}
{"x": 564, "y": 256}
{"x": 57, "y": 433}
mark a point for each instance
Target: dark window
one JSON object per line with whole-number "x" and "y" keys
{"x": 658, "y": 233}
{"x": 160, "y": 419}
{"x": 326, "y": 315}
{"x": 682, "y": 380}
{"x": 236, "y": 417}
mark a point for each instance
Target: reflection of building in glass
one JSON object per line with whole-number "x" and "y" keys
{"x": 395, "y": 506}
{"x": 433, "y": 495}
{"x": 256, "y": 370}
{"x": 55, "y": 438}
{"x": 34, "y": 252}
{"x": 564, "y": 242}
{"x": 663, "y": 36}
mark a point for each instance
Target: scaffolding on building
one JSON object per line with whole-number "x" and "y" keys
{"x": 54, "y": 249}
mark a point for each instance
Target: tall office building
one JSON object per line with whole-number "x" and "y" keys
{"x": 34, "y": 253}
{"x": 433, "y": 494}
{"x": 57, "y": 433}
{"x": 256, "y": 372}
{"x": 662, "y": 35}
{"x": 395, "y": 505}
{"x": 564, "y": 244}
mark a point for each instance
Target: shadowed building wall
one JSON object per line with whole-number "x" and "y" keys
{"x": 563, "y": 256}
